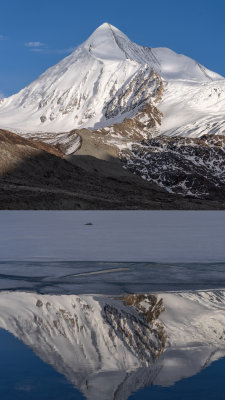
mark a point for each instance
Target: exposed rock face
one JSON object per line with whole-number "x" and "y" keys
{"x": 107, "y": 142}
{"x": 139, "y": 301}
{"x": 144, "y": 334}
{"x": 188, "y": 166}
{"x": 145, "y": 87}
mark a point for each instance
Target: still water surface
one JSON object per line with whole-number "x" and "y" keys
{"x": 24, "y": 376}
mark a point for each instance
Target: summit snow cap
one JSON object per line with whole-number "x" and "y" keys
{"x": 105, "y": 43}
{"x": 106, "y": 80}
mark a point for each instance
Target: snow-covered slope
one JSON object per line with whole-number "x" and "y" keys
{"x": 97, "y": 85}
{"x": 105, "y": 80}
{"x": 193, "y": 108}
{"x": 110, "y": 347}
{"x": 194, "y": 323}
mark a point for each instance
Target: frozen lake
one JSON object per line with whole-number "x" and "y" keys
{"x": 152, "y": 236}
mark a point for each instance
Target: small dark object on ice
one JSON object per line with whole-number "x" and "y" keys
{"x": 89, "y": 223}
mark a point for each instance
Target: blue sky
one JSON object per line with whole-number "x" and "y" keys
{"x": 35, "y": 35}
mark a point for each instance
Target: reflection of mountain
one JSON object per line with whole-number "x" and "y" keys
{"x": 96, "y": 342}
{"x": 110, "y": 347}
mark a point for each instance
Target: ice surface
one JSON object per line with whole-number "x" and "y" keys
{"x": 152, "y": 236}
{"x": 108, "y": 278}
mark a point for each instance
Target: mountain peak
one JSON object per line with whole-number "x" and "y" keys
{"x": 105, "y": 27}
{"x": 105, "y": 80}
{"x": 103, "y": 44}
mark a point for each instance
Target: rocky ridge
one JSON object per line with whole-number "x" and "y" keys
{"x": 36, "y": 175}
{"x": 186, "y": 166}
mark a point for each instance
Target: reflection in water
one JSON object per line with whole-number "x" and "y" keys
{"x": 24, "y": 376}
{"x": 110, "y": 347}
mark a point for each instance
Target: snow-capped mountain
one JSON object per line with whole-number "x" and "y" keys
{"x": 110, "y": 347}
{"x": 111, "y": 96}
{"x": 105, "y": 80}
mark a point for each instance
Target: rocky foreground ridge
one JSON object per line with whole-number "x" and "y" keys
{"x": 187, "y": 166}
{"x": 35, "y": 175}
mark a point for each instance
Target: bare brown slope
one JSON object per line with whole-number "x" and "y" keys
{"x": 35, "y": 176}
{"x": 9, "y": 138}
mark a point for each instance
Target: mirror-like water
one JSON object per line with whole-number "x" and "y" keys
{"x": 24, "y": 376}
{"x": 111, "y": 347}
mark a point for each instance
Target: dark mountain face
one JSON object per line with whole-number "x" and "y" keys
{"x": 34, "y": 175}
{"x": 187, "y": 166}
